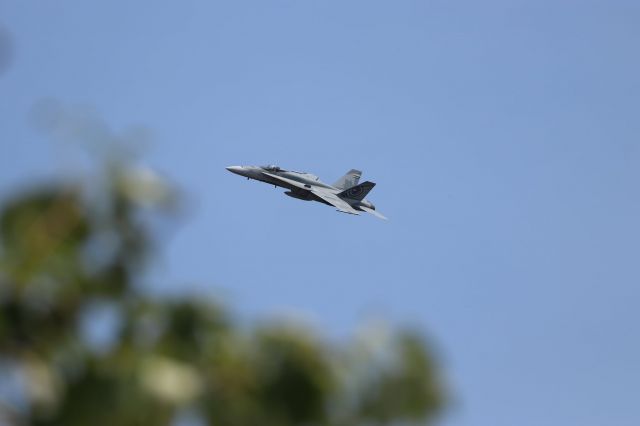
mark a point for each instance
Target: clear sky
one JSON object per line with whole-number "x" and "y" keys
{"x": 503, "y": 136}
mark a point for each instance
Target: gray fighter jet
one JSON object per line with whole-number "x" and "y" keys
{"x": 346, "y": 194}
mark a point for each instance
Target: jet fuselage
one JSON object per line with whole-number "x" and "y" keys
{"x": 302, "y": 185}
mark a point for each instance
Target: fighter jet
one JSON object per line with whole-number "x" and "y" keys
{"x": 346, "y": 194}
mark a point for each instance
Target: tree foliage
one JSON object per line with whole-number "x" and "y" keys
{"x": 81, "y": 343}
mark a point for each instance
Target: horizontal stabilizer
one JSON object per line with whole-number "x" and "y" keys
{"x": 373, "y": 212}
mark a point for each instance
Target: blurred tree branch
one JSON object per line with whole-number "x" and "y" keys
{"x": 62, "y": 254}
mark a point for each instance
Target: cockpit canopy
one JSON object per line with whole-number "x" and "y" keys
{"x": 272, "y": 168}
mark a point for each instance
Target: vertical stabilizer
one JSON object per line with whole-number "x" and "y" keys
{"x": 348, "y": 180}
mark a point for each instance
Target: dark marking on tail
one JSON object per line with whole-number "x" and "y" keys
{"x": 357, "y": 192}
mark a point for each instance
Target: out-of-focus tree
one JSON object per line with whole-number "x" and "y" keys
{"x": 82, "y": 344}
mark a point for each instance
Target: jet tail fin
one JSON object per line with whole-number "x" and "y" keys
{"x": 350, "y": 179}
{"x": 357, "y": 192}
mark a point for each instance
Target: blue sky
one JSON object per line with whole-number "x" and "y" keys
{"x": 503, "y": 136}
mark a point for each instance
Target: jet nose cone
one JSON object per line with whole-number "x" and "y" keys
{"x": 235, "y": 169}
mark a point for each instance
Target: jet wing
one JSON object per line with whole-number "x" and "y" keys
{"x": 323, "y": 193}
{"x": 334, "y": 200}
